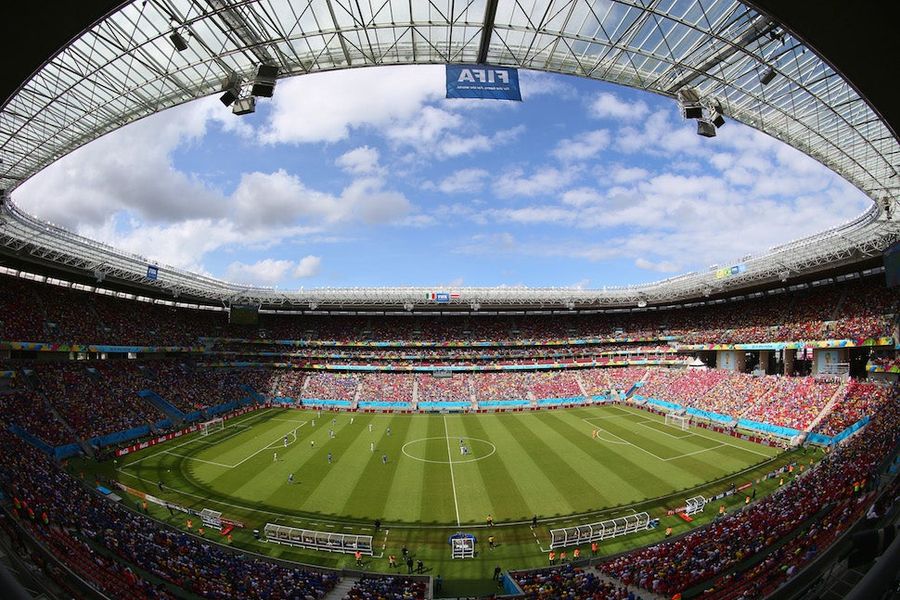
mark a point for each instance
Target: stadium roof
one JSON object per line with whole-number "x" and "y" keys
{"x": 126, "y": 66}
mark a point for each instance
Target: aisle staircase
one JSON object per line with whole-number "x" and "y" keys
{"x": 829, "y": 406}
{"x": 340, "y": 590}
{"x": 581, "y": 385}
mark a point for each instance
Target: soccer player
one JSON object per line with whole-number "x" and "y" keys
{"x": 392, "y": 562}
{"x": 388, "y": 431}
{"x": 351, "y": 420}
{"x": 329, "y": 458}
{"x": 275, "y": 457}
{"x": 285, "y": 441}
{"x": 491, "y": 542}
{"x": 291, "y": 478}
{"x": 534, "y": 521}
{"x": 331, "y": 433}
{"x": 384, "y": 459}
{"x": 371, "y": 446}
{"x": 312, "y": 443}
{"x": 490, "y": 520}
{"x": 370, "y": 428}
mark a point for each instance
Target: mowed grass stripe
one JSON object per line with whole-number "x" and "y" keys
{"x": 436, "y": 504}
{"x": 539, "y": 491}
{"x": 620, "y": 472}
{"x": 614, "y": 478}
{"x": 561, "y": 468}
{"x": 487, "y": 477}
{"x": 335, "y": 481}
{"x": 404, "y": 501}
{"x": 368, "y": 496}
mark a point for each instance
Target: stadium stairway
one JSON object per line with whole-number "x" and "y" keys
{"x": 580, "y": 384}
{"x": 829, "y": 406}
{"x": 167, "y": 409}
{"x": 639, "y": 591}
{"x": 340, "y": 590}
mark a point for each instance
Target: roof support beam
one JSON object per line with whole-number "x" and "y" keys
{"x": 490, "y": 12}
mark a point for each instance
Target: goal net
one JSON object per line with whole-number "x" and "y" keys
{"x": 677, "y": 421}
{"x": 212, "y": 426}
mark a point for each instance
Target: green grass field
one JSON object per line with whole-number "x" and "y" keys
{"x": 520, "y": 464}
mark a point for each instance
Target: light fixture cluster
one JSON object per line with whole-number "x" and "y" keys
{"x": 235, "y": 94}
{"x": 709, "y": 115}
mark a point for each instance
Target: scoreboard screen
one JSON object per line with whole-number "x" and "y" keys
{"x": 243, "y": 314}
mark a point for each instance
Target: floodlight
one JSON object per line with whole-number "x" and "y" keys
{"x": 689, "y": 100}
{"x": 717, "y": 119}
{"x": 264, "y": 84}
{"x": 767, "y": 77}
{"x": 178, "y": 41}
{"x": 706, "y": 128}
{"x": 244, "y": 106}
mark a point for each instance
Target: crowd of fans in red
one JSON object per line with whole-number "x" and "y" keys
{"x": 44, "y": 312}
{"x": 702, "y": 555}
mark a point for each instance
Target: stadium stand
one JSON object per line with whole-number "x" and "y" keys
{"x": 569, "y": 581}
{"x": 61, "y": 512}
{"x": 856, "y": 310}
{"x": 704, "y": 554}
{"x": 457, "y": 388}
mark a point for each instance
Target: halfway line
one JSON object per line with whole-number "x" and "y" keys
{"x": 452, "y": 478}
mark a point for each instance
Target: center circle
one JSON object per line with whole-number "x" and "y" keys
{"x": 478, "y": 450}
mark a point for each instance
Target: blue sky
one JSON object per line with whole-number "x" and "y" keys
{"x": 370, "y": 177}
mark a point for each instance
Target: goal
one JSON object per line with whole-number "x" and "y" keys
{"x": 212, "y": 426}
{"x": 677, "y": 421}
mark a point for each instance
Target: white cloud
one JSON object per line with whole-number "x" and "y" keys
{"x": 543, "y": 181}
{"x": 583, "y": 146}
{"x": 129, "y": 170}
{"x": 463, "y": 180}
{"x": 610, "y": 106}
{"x": 582, "y": 196}
{"x": 661, "y": 266}
{"x": 325, "y": 107}
{"x": 622, "y": 174}
{"x": 270, "y": 272}
{"x": 360, "y": 161}
{"x": 267, "y": 272}
{"x": 308, "y": 266}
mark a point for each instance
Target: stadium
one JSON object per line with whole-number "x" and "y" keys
{"x": 729, "y": 432}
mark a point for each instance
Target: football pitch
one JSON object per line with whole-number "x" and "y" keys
{"x": 428, "y": 476}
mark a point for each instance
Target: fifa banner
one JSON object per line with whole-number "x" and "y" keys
{"x": 482, "y": 81}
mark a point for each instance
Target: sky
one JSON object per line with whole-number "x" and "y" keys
{"x": 370, "y": 177}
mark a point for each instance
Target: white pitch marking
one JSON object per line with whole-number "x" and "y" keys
{"x": 234, "y": 424}
{"x": 726, "y": 443}
{"x": 452, "y": 477}
{"x": 696, "y": 452}
{"x": 269, "y": 445}
{"x": 209, "y": 462}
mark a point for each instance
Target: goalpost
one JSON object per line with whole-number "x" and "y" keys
{"x": 212, "y": 426}
{"x": 677, "y": 421}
